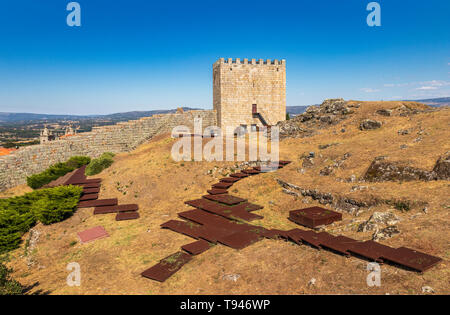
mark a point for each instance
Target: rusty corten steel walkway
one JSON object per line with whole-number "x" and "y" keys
{"x": 220, "y": 218}
{"x": 90, "y": 194}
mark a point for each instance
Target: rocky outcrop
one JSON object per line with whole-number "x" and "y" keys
{"x": 330, "y": 112}
{"x": 442, "y": 167}
{"x": 385, "y": 233}
{"x": 382, "y": 223}
{"x": 369, "y": 124}
{"x": 352, "y": 206}
{"x": 377, "y": 219}
{"x": 381, "y": 170}
{"x": 328, "y": 170}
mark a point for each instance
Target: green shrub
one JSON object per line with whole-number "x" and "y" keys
{"x": 99, "y": 164}
{"x": 8, "y": 286}
{"x": 402, "y": 206}
{"x": 57, "y": 170}
{"x": 78, "y": 161}
{"x": 19, "y": 214}
{"x": 56, "y": 204}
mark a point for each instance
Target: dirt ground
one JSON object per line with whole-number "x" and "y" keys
{"x": 149, "y": 177}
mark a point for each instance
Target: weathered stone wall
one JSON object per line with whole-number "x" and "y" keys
{"x": 122, "y": 137}
{"x": 237, "y": 84}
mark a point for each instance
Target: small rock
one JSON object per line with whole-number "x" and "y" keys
{"x": 312, "y": 282}
{"x": 425, "y": 210}
{"x": 384, "y": 112}
{"x": 385, "y": 233}
{"x": 231, "y": 277}
{"x": 427, "y": 289}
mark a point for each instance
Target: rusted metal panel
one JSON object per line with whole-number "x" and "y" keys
{"x": 213, "y": 234}
{"x": 250, "y": 207}
{"x": 275, "y": 234}
{"x": 240, "y": 240}
{"x": 231, "y": 212}
{"x": 250, "y": 171}
{"x": 297, "y": 235}
{"x": 202, "y": 217}
{"x": 86, "y": 181}
{"x": 167, "y": 267}
{"x": 230, "y": 179}
{"x": 339, "y": 244}
{"x": 217, "y": 191}
{"x": 239, "y": 175}
{"x": 370, "y": 250}
{"x": 91, "y": 190}
{"x": 310, "y": 237}
{"x": 131, "y": 215}
{"x": 92, "y": 234}
{"x": 213, "y": 220}
{"x": 314, "y": 216}
{"x": 411, "y": 259}
{"x": 85, "y": 197}
{"x": 92, "y": 185}
{"x": 244, "y": 215}
{"x": 97, "y": 203}
{"x": 116, "y": 208}
{"x": 222, "y": 185}
{"x": 226, "y": 199}
{"x": 187, "y": 228}
{"x": 197, "y": 247}
{"x": 77, "y": 176}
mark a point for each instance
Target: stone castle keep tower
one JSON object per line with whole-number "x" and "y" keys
{"x": 249, "y": 93}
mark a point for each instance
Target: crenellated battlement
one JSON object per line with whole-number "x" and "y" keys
{"x": 253, "y": 61}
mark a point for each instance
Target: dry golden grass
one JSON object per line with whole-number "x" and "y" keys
{"x": 149, "y": 177}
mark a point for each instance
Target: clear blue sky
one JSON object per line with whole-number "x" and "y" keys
{"x": 144, "y": 55}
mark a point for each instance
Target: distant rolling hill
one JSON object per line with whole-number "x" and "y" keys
{"x": 296, "y": 110}
{"x": 22, "y": 117}
{"x": 435, "y": 102}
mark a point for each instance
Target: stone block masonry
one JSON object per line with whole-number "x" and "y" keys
{"x": 122, "y": 137}
{"x": 246, "y": 90}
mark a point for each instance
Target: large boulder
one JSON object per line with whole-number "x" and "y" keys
{"x": 381, "y": 170}
{"x": 442, "y": 167}
{"x": 369, "y": 124}
{"x": 377, "y": 219}
{"x": 330, "y": 112}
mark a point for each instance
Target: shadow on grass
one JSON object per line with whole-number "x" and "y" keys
{"x": 28, "y": 290}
